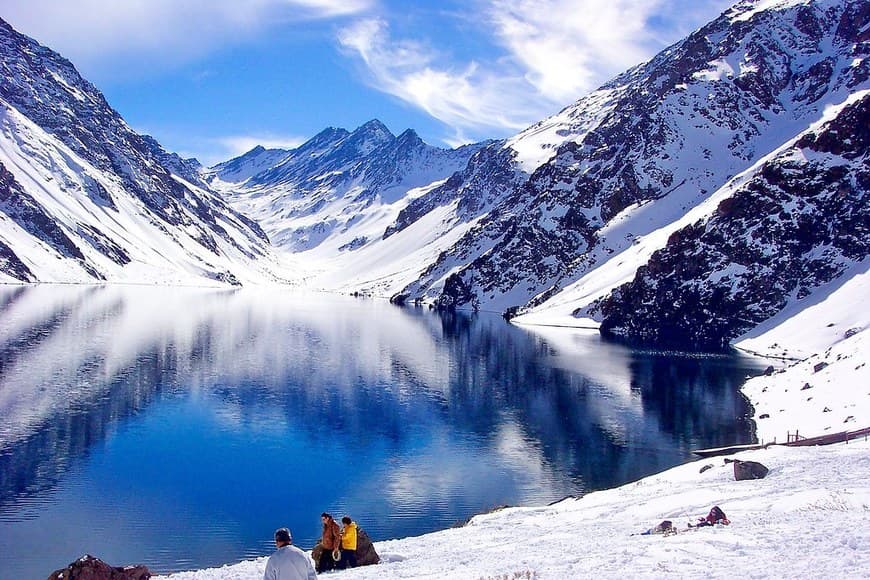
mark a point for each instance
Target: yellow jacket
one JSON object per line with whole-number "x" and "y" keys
{"x": 348, "y": 536}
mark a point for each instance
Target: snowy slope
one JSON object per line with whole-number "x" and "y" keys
{"x": 242, "y": 168}
{"x": 110, "y": 235}
{"x": 83, "y": 198}
{"x": 800, "y": 222}
{"x": 769, "y": 241}
{"x": 806, "y": 519}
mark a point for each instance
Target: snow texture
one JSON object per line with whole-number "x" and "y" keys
{"x": 806, "y": 519}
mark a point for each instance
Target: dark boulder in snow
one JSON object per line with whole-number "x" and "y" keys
{"x": 90, "y": 568}
{"x": 365, "y": 550}
{"x": 749, "y": 470}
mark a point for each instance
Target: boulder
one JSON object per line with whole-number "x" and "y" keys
{"x": 365, "y": 549}
{"x": 90, "y": 568}
{"x": 749, "y": 470}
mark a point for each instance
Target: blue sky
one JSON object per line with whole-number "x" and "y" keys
{"x": 213, "y": 78}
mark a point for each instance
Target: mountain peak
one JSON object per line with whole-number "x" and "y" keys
{"x": 373, "y": 126}
{"x": 368, "y": 137}
{"x": 409, "y": 135}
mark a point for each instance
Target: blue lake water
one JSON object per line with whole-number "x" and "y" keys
{"x": 179, "y": 428}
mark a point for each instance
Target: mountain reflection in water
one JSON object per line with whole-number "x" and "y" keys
{"x": 179, "y": 427}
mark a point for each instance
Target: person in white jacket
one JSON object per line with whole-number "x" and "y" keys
{"x": 288, "y": 562}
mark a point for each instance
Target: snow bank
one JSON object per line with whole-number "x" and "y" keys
{"x": 826, "y": 393}
{"x": 828, "y": 389}
{"x": 807, "y": 519}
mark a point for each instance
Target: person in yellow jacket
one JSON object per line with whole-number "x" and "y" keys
{"x": 348, "y": 543}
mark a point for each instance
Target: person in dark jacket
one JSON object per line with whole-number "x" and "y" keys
{"x": 330, "y": 539}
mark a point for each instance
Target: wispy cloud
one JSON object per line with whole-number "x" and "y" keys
{"x": 552, "y": 52}
{"x": 465, "y": 97}
{"x": 96, "y": 33}
{"x": 567, "y": 47}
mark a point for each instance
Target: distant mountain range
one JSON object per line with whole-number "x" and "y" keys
{"x": 320, "y": 190}
{"x": 685, "y": 202}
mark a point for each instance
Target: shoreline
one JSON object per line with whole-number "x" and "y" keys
{"x": 815, "y": 497}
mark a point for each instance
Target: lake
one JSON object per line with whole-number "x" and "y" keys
{"x": 179, "y": 427}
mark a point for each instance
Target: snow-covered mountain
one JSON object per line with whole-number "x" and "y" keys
{"x": 794, "y": 223}
{"x": 559, "y": 216}
{"x": 554, "y": 220}
{"x": 84, "y": 198}
{"x": 580, "y": 190}
{"x": 325, "y": 190}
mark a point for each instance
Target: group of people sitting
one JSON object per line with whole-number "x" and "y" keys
{"x": 338, "y": 551}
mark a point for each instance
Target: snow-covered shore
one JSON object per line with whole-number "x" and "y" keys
{"x": 807, "y": 519}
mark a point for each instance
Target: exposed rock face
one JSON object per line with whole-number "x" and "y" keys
{"x": 90, "y": 568}
{"x": 800, "y": 220}
{"x": 27, "y": 213}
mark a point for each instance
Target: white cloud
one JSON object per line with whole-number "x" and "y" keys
{"x": 567, "y": 47}
{"x": 466, "y": 98}
{"x": 554, "y": 51}
{"x": 96, "y": 34}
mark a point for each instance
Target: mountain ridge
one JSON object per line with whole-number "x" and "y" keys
{"x": 120, "y": 207}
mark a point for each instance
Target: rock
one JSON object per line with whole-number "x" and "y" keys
{"x": 316, "y": 552}
{"x": 90, "y": 568}
{"x": 806, "y": 386}
{"x": 768, "y": 371}
{"x": 365, "y": 549}
{"x": 819, "y": 366}
{"x": 706, "y": 467}
{"x": 764, "y": 416}
{"x": 749, "y": 470}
